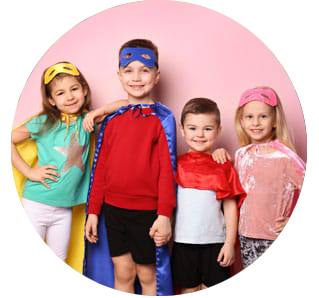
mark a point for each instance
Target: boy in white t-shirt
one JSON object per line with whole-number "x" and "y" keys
{"x": 209, "y": 195}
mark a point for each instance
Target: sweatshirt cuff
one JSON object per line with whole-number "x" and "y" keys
{"x": 94, "y": 209}
{"x": 165, "y": 209}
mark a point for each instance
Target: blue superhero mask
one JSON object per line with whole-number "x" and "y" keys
{"x": 128, "y": 55}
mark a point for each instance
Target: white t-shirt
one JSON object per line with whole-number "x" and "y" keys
{"x": 199, "y": 218}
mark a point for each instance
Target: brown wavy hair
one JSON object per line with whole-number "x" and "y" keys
{"x": 52, "y": 113}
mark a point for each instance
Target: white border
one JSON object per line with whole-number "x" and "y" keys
{"x": 288, "y": 28}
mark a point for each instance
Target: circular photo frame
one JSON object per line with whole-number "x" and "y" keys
{"x": 205, "y": 54}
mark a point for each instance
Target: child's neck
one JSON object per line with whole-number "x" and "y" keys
{"x": 209, "y": 152}
{"x": 142, "y": 101}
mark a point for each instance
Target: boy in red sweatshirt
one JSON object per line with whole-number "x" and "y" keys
{"x": 134, "y": 177}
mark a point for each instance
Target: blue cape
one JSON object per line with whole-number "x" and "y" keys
{"x": 98, "y": 264}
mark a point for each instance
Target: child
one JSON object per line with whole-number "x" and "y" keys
{"x": 269, "y": 170}
{"x": 61, "y": 178}
{"x": 206, "y": 216}
{"x": 133, "y": 177}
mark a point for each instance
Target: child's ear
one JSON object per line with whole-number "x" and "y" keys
{"x": 51, "y": 101}
{"x": 85, "y": 91}
{"x": 157, "y": 76}
{"x": 181, "y": 129}
{"x": 119, "y": 75}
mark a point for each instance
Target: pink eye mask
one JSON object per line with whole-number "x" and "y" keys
{"x": 264, "y": 95}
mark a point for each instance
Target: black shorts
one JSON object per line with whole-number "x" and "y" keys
{"x": 194, "y": 264}
{"x": 128, "y": 231}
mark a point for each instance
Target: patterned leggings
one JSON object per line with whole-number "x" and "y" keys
{"x": 251, "y": 249}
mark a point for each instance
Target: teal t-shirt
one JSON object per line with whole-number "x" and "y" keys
{"x": 69, "y": 152}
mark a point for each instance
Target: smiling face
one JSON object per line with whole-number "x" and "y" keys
{"x": 200, "y": 132}
{"x": 67, "y": 94}
{"x": 138, "y": 81}
{"x": 258, "y": 121}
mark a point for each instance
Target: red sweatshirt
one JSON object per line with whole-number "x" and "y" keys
{"x": 134, "y": 169}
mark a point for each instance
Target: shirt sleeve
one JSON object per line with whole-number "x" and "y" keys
{"x": 296, "y": 177}
{"x": 294, "y": 173}
{"x": 166, "y": 182}
{"x": 35, "y": 125}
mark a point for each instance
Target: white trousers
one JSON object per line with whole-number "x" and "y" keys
{"x": 52, "y": 224}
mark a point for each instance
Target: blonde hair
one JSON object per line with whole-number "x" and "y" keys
{"x": 280, "y": 131}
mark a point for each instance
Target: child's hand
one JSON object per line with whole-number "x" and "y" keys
{"x": 90, "y": 119}
{"x": 226, "y": 255}
{"x": 221, "y": 155}
{"x": 91, "y": 228}
{"x": 39, "y": 174}
{"x": 159, "y": 239}
{"x": 280, "y": 224}
{"x": 99, "y": 114}
{"x": 161, "y": 230}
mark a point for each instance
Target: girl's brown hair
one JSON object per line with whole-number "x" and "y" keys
{"x": 52, "y": 113}
{"x": 280, "y": 130}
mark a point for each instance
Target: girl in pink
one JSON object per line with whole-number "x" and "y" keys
{"x": 270, "y": 171}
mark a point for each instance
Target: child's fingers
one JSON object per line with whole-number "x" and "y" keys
{"x": 91, "y": 236}
{"x": 219, "y": 156}
{"x": 220, "y": 256}
{"x": 225, "y": 156}
{"x": 94, "y": 231}
{"x": 45, "y": 184}
{"x": 53, "y": 173}
{"x": 160, "y": 238}
{"x": 88, "y": 123}
{"x": 152, "y": 232}
{"x": 50, "y": 177}
{"x": 228, "y": 156}
{"x": 160, "y": 242}
{"x": 50, "y": 167}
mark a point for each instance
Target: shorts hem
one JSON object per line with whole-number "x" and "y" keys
{"x": 118, "y": 254}
{"x": 144, "y": 261}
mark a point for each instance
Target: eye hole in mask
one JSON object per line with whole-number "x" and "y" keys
{"x": 146, "y": 56}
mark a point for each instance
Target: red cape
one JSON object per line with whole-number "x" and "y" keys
{"x": 200, "y": 171}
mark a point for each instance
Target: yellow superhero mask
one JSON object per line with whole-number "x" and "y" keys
{"x": 59, "y": 68}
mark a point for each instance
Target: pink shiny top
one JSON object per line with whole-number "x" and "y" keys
{"x": 272, "y": 175}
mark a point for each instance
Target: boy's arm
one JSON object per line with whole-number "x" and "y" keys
{"x": 96, "y": 195}
{"x": 161, "y": 230}
{"x": 98, "y": 115}
{"x": 166, "y": 180}
{"x": 227, "y": 254}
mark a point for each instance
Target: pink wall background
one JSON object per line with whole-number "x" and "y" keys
{"x": 202, "y": 53}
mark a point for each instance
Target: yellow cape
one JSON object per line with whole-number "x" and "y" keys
{"x": 28, "y": 151}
